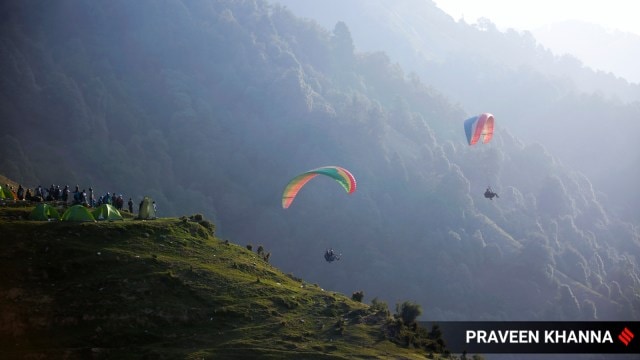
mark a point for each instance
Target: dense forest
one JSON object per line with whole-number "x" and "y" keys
{"x": 212, "y": 106}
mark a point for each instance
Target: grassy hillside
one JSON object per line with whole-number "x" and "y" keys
{"x": 168, "y": 288}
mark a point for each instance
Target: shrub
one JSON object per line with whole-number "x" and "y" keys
{"x": 260, "y": 250}
{"x": 249, "y": 247}
{"x": 379, "y": 307}
{"x": 208, "y": 225}
{"x": 357, "y": 296}
{"x": 408, "y": 311}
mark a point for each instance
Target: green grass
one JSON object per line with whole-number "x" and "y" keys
{"x": 165, "y": 289}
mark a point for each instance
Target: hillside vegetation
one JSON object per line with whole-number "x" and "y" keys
{"x": 168, "y": 288}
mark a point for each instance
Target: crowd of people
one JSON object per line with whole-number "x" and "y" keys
{"x": 67, "y": 197}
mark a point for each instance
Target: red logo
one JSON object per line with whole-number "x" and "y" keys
{"x": 625, "y": 336}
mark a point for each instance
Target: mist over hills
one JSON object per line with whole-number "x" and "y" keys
{"x": 603, "y": 49}
{"x": 212, "y": 106}
{"x": 553, "y": 99}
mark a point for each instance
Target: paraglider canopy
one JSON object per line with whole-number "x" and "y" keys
{"x": 341, "y": 175}
{"x": 477, "y": 127}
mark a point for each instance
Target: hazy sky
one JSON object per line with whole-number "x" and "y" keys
{"x": 531, "y": 14}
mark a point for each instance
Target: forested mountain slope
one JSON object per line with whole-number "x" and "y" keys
{"x": 212, "y": 106}
{"x": 541, "y": 97}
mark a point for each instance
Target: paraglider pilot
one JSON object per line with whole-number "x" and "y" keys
{"x": 330, "y": 256}
{"x": 489, "y": 194}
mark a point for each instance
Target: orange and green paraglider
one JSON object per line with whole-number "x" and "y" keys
{"x": 479, "y": 126}
{"x": 341, "y": 175}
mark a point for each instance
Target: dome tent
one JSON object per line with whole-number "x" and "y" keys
{"x": 77, "y": 213}
{"x": 44, "y": 212}
{"x": 106, "y": 212}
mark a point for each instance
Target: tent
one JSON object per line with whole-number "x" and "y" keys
{"x": 5, "y": 193}
{"x": 106, "y": 212}
{"x": 146, "y": 210}
{"x": 44, "y": 212}
{"x": 77, "y": 213}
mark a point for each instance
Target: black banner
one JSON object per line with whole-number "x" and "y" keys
{"x": 540, "y": 337}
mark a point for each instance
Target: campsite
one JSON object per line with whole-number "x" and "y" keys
{"x": 120, "y": 289}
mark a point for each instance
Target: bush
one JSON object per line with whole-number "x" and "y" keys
{"x": 379, "y": 307}
{"x": 198, "y": 218}
{"x": 264, "y": 255}
{"x": 357, "y": 296}
{"x": 408, "y": 311}
{"x": 249, "y": 247}
{"x": 208, "y": 225}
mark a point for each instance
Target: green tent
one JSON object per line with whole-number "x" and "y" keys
{"x": 77, "y": 213}
{"x": 146, "y": 210}
{"x": 106, "y": 212}
{"x": 5, "y": 193}
{"x": 44, "y": 212}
